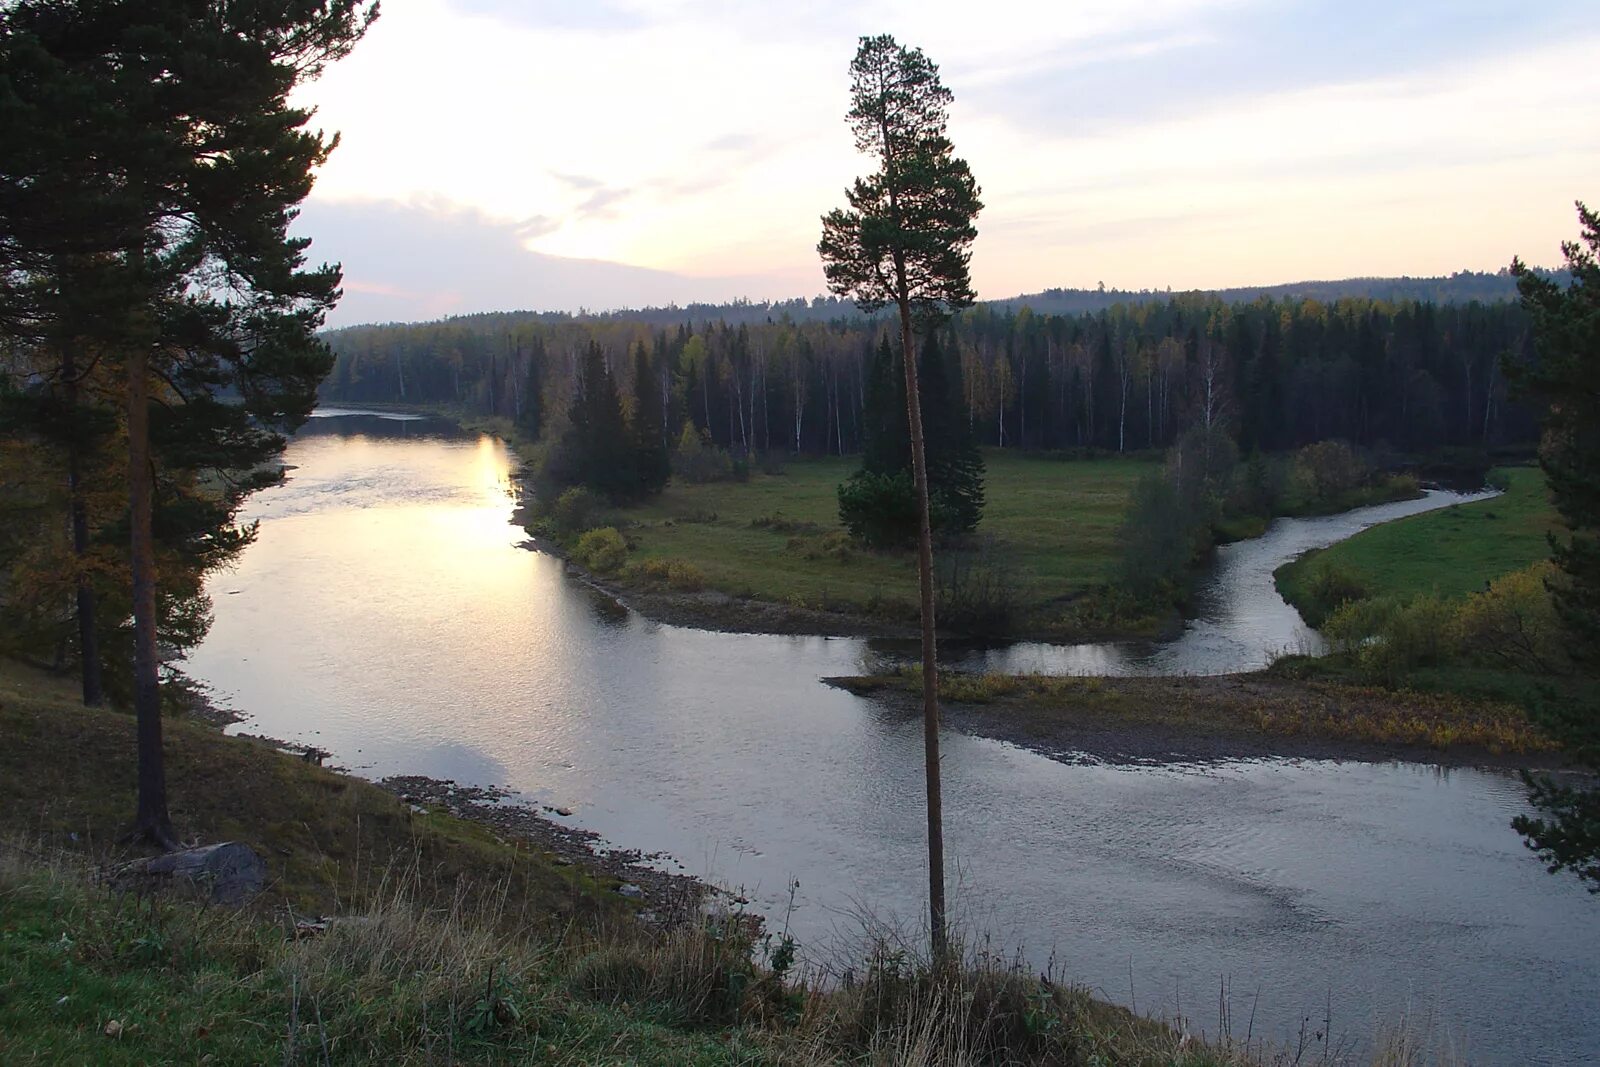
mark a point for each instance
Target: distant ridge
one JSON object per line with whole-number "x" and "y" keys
{"x": 1463, "y": 287}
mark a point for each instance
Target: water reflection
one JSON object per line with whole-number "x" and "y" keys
{"x": 1240, "y": 623}
{"x": 387, "y": 614}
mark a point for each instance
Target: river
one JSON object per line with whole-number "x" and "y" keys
{"x": 388, "y": 614}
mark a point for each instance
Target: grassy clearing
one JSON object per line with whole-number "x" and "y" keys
{"x": 329, "y": 841}
{"x": 1053, "y": 524}
{"x": 1244, "y": 706}
{"x": 1449, "y": 553}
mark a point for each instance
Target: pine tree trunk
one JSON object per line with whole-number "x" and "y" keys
{"x": 88, "y": 641}
{"x": 930, "y": 665}
{"x": 151, "y": 821}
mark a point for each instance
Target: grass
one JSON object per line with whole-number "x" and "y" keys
{"x": 329, "y": 841}
{"x": 93, "y": 977}
{"x": 1280, "y": 704}
{"x": 1053, "y": 522}
{"x": 1450, "y": 552}
{"x": 451, "y": 945}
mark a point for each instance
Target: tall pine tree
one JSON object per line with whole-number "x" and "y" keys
{"x": 180, "y": 148}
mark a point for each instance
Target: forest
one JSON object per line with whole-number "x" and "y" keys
{"x": 1393, "y": 377}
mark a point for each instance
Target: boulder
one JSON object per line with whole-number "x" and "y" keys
{"x": 225, "y": 873}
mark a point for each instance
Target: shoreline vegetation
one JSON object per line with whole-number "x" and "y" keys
{"x": 766, "y": 553}
{"x": 1272, "y": 713}
{"x": 415, "y": 920}
{"x": 1451, "y": 552}
{"x": 1301, "y": 707}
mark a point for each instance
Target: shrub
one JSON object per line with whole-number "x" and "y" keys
{"x": 1513, "y": 622}
{"x": 573, "y": 510}
{"x": 1160, "y": 538}
{"x": 1329, "y": 589}
{"x": 976, "y": 591}
{"x": 1329, "y": 470}
{"x": 602, "y": 551}
{"x": 1404, "y": 487}
{"x": 657, "y": 574}
{"x": 697, "y": 461}
{"x": 778, "y": 524}
{"x": 880, "y": 510}
{"x": 835, "y": 546}
{"x": 1390, "y": 636}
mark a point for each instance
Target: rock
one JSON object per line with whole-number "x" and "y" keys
{"x": 226, "y": 873}
{"x": 631, "y": 891}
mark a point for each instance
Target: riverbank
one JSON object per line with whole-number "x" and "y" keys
{"x": 425, "y": 921}
{"x": 770, "y": 555}
{"x": 1246, "y": 716}
{"x": 331, "y": 841}
{"x": 1448, "y": 553}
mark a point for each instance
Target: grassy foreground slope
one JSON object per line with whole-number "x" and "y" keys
{"x": 1450, "y": 552}
{"x": 449, "y": 944}
{"x": 329, "y": 841}
{"x": 1054, "y": 522}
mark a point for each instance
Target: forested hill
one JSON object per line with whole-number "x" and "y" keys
{"x": 1460, "y": 288}
{"x": 1276, "y": 373}
{"x": 1463, "y": 287}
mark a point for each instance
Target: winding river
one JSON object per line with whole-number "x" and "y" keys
{"x": 388, "y": 614}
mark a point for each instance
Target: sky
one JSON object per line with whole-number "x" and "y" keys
{"x": 599, "y": 154}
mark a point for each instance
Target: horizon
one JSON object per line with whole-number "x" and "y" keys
{"x": 769, "y": 302}
{"x": 635, "y": 154}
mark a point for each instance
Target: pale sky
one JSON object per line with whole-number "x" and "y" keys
{"x": 613, "y": 153}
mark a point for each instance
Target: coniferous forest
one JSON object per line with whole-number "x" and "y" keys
{"x": 1408, "y": 377}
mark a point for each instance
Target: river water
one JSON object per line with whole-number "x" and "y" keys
{"x": 387, "y": 614}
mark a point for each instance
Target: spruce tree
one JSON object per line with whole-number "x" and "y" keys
{"x": 870, "y": 502}
{"x": 597, "y": 450}
{"x": 651, "y": 462}
{"x": 885, "y": 440}
{"x": 1565, "y": 376}
{"x": 955, "y": 466}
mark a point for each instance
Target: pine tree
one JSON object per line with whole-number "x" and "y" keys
{"x": 906, "y": 240}
{"x": 179, "y": 147}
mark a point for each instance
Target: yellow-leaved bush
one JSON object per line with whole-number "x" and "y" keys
{"x": 1513, "y": 623}
{"x": 1510, "y": 624}
{"x": 602, "y": 551}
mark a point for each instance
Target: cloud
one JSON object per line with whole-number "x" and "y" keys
{"x": 578, "y": 182}
{"x": 554, "y": 14}
{"x": 1221, "y": 57}
{"x": 602, "y": 203}
{"x": 409, "y": 262}
{"x": 704, "y": 138}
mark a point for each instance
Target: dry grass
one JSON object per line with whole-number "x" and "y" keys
{"x": 331, "y": 842}
{"x": 1259, "y": 706}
